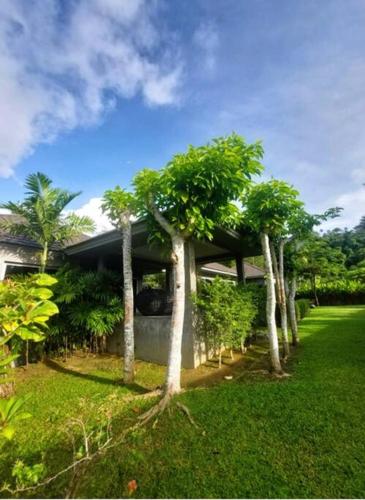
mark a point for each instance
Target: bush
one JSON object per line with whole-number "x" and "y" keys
{"x": 225, "y": 314}
{"x": 302, "y": 308}
{"x": 336, "y": 292}
{"x": 90, "y": 305}
{"x": 258, "y": 295}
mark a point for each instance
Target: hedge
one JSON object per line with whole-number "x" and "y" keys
{"x": 336, "y": 293}
{"x": 258, "y": 293}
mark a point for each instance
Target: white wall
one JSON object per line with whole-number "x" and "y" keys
{"x": 27, "y": 256}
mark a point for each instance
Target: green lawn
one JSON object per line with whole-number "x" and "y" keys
{"x": 303, "y": 436}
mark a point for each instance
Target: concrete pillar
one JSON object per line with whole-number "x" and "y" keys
{"x": 240, "y": 268}
{"x": 169, "y": 279}
{"x": 101, "y": 264}
{"x": 193, "y": 351}
{"x": 2, "y": 269}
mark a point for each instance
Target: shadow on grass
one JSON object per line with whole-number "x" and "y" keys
{"x": 53, "y": 365}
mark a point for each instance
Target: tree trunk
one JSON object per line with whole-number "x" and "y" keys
{"x": 177, "y": 318}
{"x": 270, "y": 305}
{"x": 282, "y": 305}
{"x": 314, "y": 289}
{"x": 128, "y": 303}
{"x": 292, "y": 288}
{"x": 26, "y": 353}
{"x": 280, "y": 296}
{"x": 44, "y": 258}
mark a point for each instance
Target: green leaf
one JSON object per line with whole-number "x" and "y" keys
{"x": 8, "y": 432}
{"x": 47, "y": 308}
{"x": 32, "y": 333}
{"x": 45, "y": 280}
{"x": 42, "y": 293}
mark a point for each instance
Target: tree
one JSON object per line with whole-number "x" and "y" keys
{"x": 267, "y": 209}
{"x": 120, "y": 205}
{"x": 41, "y": 217}
{"x": 300, "y": 227}
{"x": 316, "y": 258}
{"x": 187, "y": 199}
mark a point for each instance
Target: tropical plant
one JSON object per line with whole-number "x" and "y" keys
{"x": 120, "y": 205}
{"x": 188, "y": 198}
{"x": 90, "y": 307}
{"x": 25, "y": 309}
{"x": 225, "y": 315}
{"x": 41, "y": 216}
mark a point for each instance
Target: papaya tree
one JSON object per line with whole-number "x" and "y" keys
{"x": 187, "y": 199}
{"x": 267, "y": 209}
{"x": 40, "y": 216}
{"x": 120, "y": 205}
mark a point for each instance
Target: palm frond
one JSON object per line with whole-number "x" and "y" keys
{"x": 36, "y": 184}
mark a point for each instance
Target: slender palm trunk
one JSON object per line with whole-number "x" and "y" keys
{"x": 270, "y": 305}
{"x": 128, "y": 303}
{"x": 282, "y": 305}
{"x": 44, "y": 258}
{"x": 177, "y": 318}
{"x": 291, "y": 292}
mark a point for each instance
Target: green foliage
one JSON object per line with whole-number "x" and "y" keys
{"x": 350, "y": 242}
{"x": 11, "y": 411}
{"x": 302, "y": 308}
{"x": 335, "y": 291}
{"x": 269, "y": 207}
{"x": 25, "y": 309}
{"x": 41, "y": 214}
{"x": 90, "y": 305}
{"x": 27, "y": 475}
{"x": 196, "y": 189}
{"x": 225, "y": 313}
{"x": 117, "y": 204}
{"x": 258, "y": 294}
{"x": 316, "y": 257}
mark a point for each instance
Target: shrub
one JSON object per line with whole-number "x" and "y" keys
{"x": 258, "y": 295}
{"x": 90, "y": 306}
{"x": 302, "y": 308}
{"x": 336, "y": 292}
{"x": 225, "y": 314}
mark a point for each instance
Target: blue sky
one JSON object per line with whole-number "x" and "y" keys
{"x": 93, "y": 90}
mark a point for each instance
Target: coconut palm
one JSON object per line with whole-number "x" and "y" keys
{"x": 41, "y": 216}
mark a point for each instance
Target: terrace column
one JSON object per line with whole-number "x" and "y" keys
{"x": 101, "y": 264}
{"x": 169, "y": 279}
{"x": 240, "y": 268}
{"x": 192, "y": 350}
{"x": 2, "y": 269}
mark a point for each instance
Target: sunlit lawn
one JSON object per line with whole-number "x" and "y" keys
{"x": 303, "y": 436}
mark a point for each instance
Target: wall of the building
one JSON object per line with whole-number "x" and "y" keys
{"x": 24, "y": 256}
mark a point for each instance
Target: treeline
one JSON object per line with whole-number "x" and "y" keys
{"x": 332, "y": 266}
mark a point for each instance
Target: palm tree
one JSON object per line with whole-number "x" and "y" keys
{"x": 41, "y": 217}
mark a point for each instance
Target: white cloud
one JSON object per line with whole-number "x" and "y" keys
{"x": 353, "y": 204}
{"x": 63, "y": 67}
{"x": 92, "y": 209}
{"x": 206, "y": 40}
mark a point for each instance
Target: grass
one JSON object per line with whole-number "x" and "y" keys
{"x": 303, "y": 436}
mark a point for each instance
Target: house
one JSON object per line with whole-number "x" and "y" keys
{"x": 104, "y": 251}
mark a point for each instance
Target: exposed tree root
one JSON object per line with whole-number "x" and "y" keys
{"x": 155, "y": 411}
{"x": 186, "y": 410}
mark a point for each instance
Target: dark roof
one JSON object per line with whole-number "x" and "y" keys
{"x": 251, "y": 271}
{"x": 27, "y": 242}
